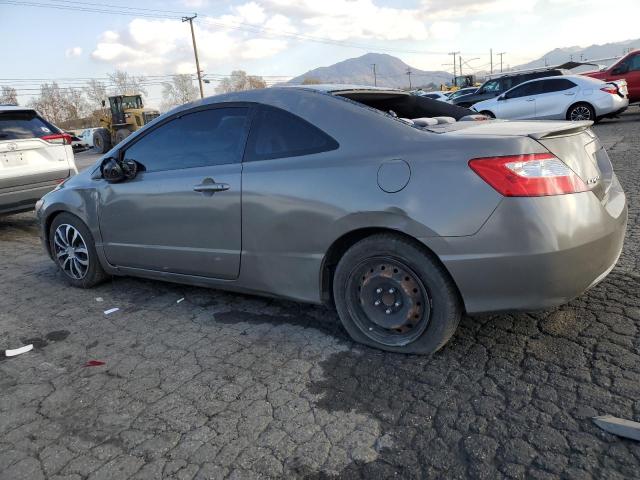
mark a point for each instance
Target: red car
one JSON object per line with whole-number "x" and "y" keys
{"x": 628, "y": 67}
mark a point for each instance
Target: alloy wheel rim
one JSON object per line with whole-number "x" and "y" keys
{"x": 71, "y": 251}
{"x": 580, "y": 113}
{"x": 388, "y": 301}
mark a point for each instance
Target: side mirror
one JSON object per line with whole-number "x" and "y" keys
{"x": 116, "y": 171}
{"x": 502, "y": 97}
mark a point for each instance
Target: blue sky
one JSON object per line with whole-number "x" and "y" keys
{"x": 52, "y": 43}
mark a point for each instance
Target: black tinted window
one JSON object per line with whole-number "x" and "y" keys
{"x": 207, "y": 137}
{"x": 525, "y": 90}
{"x": 20, "y": 125}
{"x": 556, "y": 85}
{"x": 278, "y": 134}
{"x": 634, "y": 63}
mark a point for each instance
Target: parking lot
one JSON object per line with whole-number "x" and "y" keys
{"x": 224, "y": 385}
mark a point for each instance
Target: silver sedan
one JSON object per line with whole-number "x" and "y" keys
{"x": 401, "y": 211}
{"x": 570, "y": 97}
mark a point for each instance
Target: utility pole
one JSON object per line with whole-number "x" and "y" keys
{"x": 454, "y": 65}
{"x": 460, "y": 62}
{"x": 501, "y": 54}
{"x": 195, "y": 51}
{"x": 409, "y": 73}
{"x": 491, "y": 59}
{"x": 375, "y": 78}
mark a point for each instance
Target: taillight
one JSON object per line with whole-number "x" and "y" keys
{"x": 531, "y": 175}
{"x": 613, "y": 90}
{"x": 58, "y": 138}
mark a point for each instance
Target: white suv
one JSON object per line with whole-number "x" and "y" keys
{"x": 35, "y": 157}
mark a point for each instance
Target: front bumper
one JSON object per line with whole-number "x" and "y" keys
{"x": 537, "y": 253}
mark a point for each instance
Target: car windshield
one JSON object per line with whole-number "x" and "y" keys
{"x": 17, "y": 125}
{"x": 131, "y": 101}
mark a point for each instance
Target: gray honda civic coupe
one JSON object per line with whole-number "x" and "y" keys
{"x": 401, "y": 211}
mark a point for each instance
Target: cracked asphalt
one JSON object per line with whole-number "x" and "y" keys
{"x": 231, "y": 386}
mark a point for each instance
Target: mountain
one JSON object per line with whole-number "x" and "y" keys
{"x": 593, "y": 52}
{"x": 390, "y": 72}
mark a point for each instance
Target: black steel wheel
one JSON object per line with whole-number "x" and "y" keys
{"x": 392, "y": 294}
{"x": 73, "y": 250}
{"x": 388, "y": 301}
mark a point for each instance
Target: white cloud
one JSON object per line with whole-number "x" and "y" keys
{"x": 73, "y": 52}
{"x": 195, "y": 3}
{"x": 443, "y": 30}
{"x": 251, "y": 13}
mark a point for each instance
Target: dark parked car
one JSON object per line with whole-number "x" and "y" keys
{"x": 342, "y": 195}
{"x": 498, "y": 85}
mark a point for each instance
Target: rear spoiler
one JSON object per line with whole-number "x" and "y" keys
{"x": 572, "y": 128}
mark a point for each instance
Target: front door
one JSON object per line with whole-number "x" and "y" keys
{"x": 182, "y": 212}
{"x": 520, "y": 102}
{"x": 629, "y": 70}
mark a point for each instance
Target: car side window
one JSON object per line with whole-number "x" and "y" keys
{"x": 207, "y": 137}
{"x": 280, "y": 134}
{"x": 491, "y": 86}
{"x": 525, "y": 90}
{"x": 556, "y": 85}
{"x": 634, "y": 63}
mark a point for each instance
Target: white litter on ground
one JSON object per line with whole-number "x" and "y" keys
{"x": 99, "y": 299}
{"x": 180, "y": 300}
{"x": 111, "y": 310}
{"x": 18, "y": 351}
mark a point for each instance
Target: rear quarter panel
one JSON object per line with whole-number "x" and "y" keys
{"x": 295, "y": 208}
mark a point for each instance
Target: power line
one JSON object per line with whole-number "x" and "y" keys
{"x": 173, "y": 15}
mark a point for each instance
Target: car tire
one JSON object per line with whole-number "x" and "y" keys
{"x": 102, "y": 140}
{"x": 122, "y": 134}
{"x": 391, "y": 294}
{"x": 581, "y": 109}
{"x": 79, "y": 263}
{"x": 487, "y": 113}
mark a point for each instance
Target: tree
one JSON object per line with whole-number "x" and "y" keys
{"x": 181, "y": 90}
{"x": 8, "y": 96}
{"x": 61, "y": 105}
{"x": 125, "y": 84}
{"x": 310, "y": 81}
{"x": 96, "y": 92}
{"x": 239, "y": 81}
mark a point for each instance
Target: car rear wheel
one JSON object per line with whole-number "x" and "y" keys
{"x": 102, "y": 140}
{"x": 74, "y": 251}
{"x": 581, "y": 111}
{"x": 392, "y": 295}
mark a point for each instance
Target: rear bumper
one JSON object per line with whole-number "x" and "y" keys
{"x": 24, "y": 198}
{"x": 537, "y": 253}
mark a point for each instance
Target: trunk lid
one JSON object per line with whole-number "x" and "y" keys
{"x": 27, "y": 162}
{"x": 572, "y": 142}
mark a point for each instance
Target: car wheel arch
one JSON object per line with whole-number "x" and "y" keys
{"x": 582, "y": 102}
{"x": 340, "y": 245}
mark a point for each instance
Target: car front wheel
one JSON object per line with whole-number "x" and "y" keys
{"x": 74, "y": 251}
{"x": 393, "y": 295}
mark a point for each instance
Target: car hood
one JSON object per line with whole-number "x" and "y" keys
{"x": 508, "y": 128}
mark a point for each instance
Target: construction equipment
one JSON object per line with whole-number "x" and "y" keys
{"x": 127, "y": 114}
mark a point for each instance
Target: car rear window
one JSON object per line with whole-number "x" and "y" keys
{"x": 24, "y": 124}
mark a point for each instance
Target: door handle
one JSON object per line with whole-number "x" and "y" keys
{"x": 209, "y": 186}
{"x": 530, "y": 99}
{"x": 570, "y": 93}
